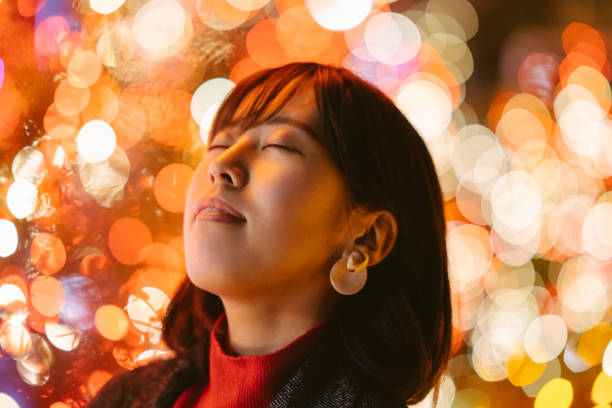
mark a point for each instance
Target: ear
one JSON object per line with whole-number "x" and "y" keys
{"x": 379, "y": 236}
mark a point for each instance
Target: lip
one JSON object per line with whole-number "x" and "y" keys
{"x": 225, "y": 211}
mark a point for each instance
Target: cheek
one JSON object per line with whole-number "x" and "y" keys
{"x": 302, "y": 201}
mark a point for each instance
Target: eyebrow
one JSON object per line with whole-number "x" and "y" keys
{"x": 295, "y": 123}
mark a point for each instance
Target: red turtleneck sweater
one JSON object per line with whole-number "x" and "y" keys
{"x": 246, "y": 381}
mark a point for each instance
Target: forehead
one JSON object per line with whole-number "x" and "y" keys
{"x": 298, "y": 104}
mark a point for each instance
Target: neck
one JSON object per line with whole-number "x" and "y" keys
{"x": 268, "y": 323}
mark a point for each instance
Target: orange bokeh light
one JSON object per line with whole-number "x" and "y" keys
{"x": 220, "y": 15}
{"x": 59, "y": 126}
{"x": 84, "y": 69}
{"x": 47, "y": 253}
{"x": 243, "y": 69}
{"x": 14, "y": 275}
{"x": 96, "y": 380}
{"x": 579, "y": 34}
{"x": 71, "y": 44}
{"x": 70, "y": 100}
{"x": 27, "y": 8}
{"x": 47, "y": 295}
{"x": 263, "y": 46}
{"x": 131, "y": 122}
{"x": 300, "y": 35}
{"x": 583, "y": 45}
{"x": 103, "y": 104}
{"x": 168, "y": 114}
{"x": 126, "y": 238}
{"x": 37, "y": 321}
{"x": 171, "y": 186}
{"x": 496, "y": 109}
{"x": 111, "y": 322}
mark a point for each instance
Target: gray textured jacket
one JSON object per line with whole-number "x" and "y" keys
{"x": 323, "y": 379}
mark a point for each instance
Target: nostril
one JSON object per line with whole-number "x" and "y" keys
{"x": 226, "y": 176}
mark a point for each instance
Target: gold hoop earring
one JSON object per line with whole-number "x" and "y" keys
{"x": 349, "y": 274}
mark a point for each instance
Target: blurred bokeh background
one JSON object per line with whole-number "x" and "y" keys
{"x": 103, "y": 109}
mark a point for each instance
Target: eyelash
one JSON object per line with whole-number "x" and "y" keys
{"x": 272, "y": 144}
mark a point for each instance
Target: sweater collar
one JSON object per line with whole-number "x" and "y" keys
{"x": 259, "y": 376}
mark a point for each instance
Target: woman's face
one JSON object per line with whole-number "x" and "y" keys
{"x": 291, "y": 198}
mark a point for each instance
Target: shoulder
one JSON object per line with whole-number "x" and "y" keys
{"x": 155, "y": 384}
{"x": 328, "y": 379}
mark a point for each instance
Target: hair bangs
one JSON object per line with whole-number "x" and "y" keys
{"x": 258, "y": 98}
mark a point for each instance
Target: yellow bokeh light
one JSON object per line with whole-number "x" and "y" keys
{"x": 61, "y": 336}
{"x": 116, "y": 46}
{"x": 22, "y": 198}
{"x": 503, "y": 276}
{"x": 557, "y": 393}
{"x": 5, "y": 400}
{"x": 566, "y": 217}
{"x": 606, "y": 361}
{"x": 220, "y": 14}
{"x": 462, "y": 11}
{"x": 247, "y": 5}
{"x": 427, "y": 106}
{"x": 596, "y": 233}
{"x": 162, "y": 28}
{"x": 545, "y": 338}
{"x": 523, "y": 371}
{"x": 593, "y": 343}
{"x": 470, "y": 398}
{"x": 469, "y": 253}
{"x": 455, "y": 53}
{"x": 105, "y": 6}
{"x": 8, "y": 238}
{"x": 15, "y": 339}
{"x": 147, "y": 310}
{"x": 29, "y": 164}
{"x": 96, "y": 141}
{"x": 582, "y": 293}
{"x": 553, "y": 370}
{"x": 478, "y": 160}
{"x": 210, "y": 93}
{"x": 602, "y": 389}
{"x": 207, "y": 121}
{"x": 10, "y": 293}
{"x": 584, "y": 128}
{"x": 392, "y": 38}
{"x": 105, "y": 180}
{"x": 339, "y": 15}
{"x": 516, "y": 205}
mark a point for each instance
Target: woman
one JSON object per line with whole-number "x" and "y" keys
{"x": 316, "y": 258}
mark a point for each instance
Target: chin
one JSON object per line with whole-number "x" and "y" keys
{"x": 213, "y": 279}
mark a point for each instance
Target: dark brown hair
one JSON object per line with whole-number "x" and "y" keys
{"x": 397, "y": 329}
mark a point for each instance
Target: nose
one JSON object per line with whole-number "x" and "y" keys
{"x": 228, "y": 168}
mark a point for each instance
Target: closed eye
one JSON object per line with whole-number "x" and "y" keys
{"x": 214, "y": 147}
{"x": 268, "y": 145}
{"x": 291, "y": 149}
